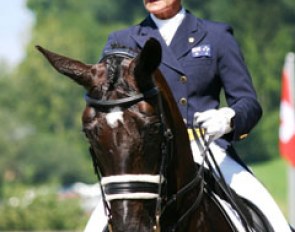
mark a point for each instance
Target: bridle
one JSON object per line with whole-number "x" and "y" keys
{"x": 142, "y": 186}
{"x": 130, "y": 186}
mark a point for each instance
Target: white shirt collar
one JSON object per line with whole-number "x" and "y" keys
{"x": 168, "y": 27}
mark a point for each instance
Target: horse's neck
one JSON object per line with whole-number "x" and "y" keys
{"x": 182, "y": 161}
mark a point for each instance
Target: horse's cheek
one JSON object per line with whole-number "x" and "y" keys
{"x": 88, "y": 116}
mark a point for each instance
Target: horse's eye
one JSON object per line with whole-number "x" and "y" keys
{"x": 155, "y": 128}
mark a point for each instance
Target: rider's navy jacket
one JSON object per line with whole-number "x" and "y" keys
{"x": 202, "y": 58}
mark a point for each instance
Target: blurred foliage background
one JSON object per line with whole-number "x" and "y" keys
{"x": 41, "y": 139}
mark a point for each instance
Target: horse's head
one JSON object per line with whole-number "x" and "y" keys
{"x": 125, "y": 128}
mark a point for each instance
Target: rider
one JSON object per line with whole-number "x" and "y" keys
{"x": 200, "y": 58}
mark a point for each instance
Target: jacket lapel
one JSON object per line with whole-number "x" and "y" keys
{"x": 187, "y": 36}
{"x": 148, "y": 29}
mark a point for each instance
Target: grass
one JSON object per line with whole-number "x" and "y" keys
{"x": 274, "y": 176}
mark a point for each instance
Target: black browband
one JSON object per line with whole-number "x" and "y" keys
{"x": 118, "y": 52}
{"x": 123, "y": 102}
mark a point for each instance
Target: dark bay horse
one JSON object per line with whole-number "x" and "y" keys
{"x": 140, "y": 146}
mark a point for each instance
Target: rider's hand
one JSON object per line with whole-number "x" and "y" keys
{"x": 215, "y": 122}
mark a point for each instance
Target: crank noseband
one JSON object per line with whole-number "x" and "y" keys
{"x": 131, "y": 186}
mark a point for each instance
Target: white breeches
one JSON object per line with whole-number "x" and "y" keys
{"x": 98, "y": 220}
{"x": 239, "y": 179}
{"x": 246, "y": 185}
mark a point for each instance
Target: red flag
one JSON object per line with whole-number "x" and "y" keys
{"x": 287, "y": 111}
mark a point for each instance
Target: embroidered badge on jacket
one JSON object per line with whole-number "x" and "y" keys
{"x": 202, "y": 51}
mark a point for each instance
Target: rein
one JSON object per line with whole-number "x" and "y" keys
{"x": 218, "y": 175}
{"x": 198, "y": 179}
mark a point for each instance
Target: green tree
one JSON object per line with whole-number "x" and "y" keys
{"x": 40, "y": 107}
{"x": 41, "y": 213}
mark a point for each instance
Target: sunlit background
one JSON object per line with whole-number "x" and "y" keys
{"x": 46, "y": 176}
{"x": 16, "y": 22}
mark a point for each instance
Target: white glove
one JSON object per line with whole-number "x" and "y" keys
{"x": 215, "y": 122}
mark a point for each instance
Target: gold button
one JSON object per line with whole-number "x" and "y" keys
{"x": 243, "y": 136}
{"x": 191, "y": 39}
{"x": 183, "y": 79}
{"x": 183, "y": 101}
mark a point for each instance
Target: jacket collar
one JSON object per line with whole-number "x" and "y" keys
{"x": 188, "y": 35}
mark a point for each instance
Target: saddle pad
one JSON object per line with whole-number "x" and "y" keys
{"x": 231, "y": 213}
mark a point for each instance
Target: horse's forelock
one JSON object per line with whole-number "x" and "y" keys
{"x": 119, "y": 68}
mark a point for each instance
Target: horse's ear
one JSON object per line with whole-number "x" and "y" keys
{"x": 149, "y": 58}
{"x": 79, "y": 72}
